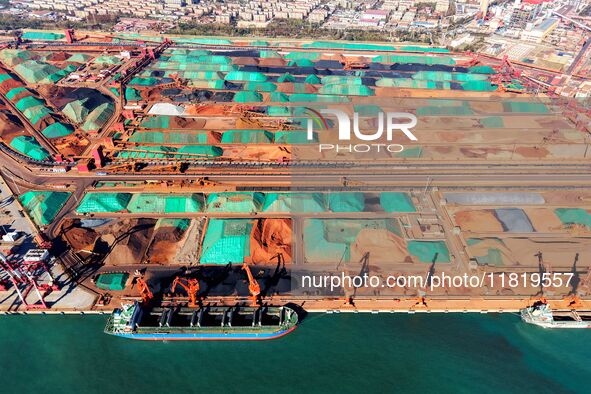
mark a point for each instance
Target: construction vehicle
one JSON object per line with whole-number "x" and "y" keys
{"x": 144, "y": 290}
{"x": 253, "y": 286}
{"x": 191, "y": 287}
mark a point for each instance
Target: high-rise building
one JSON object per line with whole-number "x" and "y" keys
{"x": 484, "y": 6}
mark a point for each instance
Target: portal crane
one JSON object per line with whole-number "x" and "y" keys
{"x": 145, "y": 291}
{"x": 191, "y": 286}
{"x": 253, "y": 286}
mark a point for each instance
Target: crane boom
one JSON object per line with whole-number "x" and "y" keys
{"x": 253, "y": 286}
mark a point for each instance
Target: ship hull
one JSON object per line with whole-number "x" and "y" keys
{"x": 242, "y": 336}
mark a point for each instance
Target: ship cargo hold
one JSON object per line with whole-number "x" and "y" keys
{"x": 201, "y": 323}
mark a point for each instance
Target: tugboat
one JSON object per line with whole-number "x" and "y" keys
{"x": 540, "y": 314}
{"x": 201, "y": 323}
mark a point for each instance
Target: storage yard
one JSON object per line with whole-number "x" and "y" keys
{"x": 141, "y": 159}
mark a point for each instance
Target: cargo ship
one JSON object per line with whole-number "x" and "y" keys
{"x": 205, "y": 323}
{"x": 542, "y": 315}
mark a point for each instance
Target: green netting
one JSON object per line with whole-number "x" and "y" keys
{"x": 107, "y": 60}
{"x": 574, "y": 216}
{"x": 235, "y": 202}
{"x": 493, "y": 256}
{"x": 303, "y": 55}
{"x": 247, "y": 137}
{"x": 165, "y": 203}
{"x": 348, "y": 45}
{"x": 214, "y": 59}
{"x": 5, "y": 77}
{"x": 459, "y": 110}
{"x": 35, "y": 71}
{"x": 35, "y": 114}
{"x": 226, "y": 241}
{"x": 77, "y": 110}
{"x": 57, "y": 130}
{"x": 187, "y": 66}
{"x": 144, "y": 81}
{"x": 132, "y": 94}
{"x": 245, "y": 76}
{"x": 341, "y": 80}
{"x": 43, "y": 206}
{"x": 170, "y": 137}
{"x": 330, "y": 240}
{"x": 41, "y": 35}
{"x": 12, "y": 57}
{"x": 278, "y": 97}
{"x": 205, "y": 75}
{"x": 260, "y": 86}
{"x": 193, "y": 151}
{"x": 346, "y": 202}
{"x": 207, "y": 41}
{"x": 524, "y": 106}
{"x": 396, "y": 202}
{"x": 104, "y": 202}
{"x": 29, "y": 102}
{"x": 493, "y": 122}
{"x": 410, "y": 59}
{"x": 260, "y": 43}
{"x": 294, "y": 137}
{"x": 413, "y": 48}
{"x": 265, "y": 54}
{"x": 156, "y": 122}
{"x": 367, "y": 109}
{"x": 447, "y": 76}
{"x": 12, "y": 93}
{"x": 180, "y": 224}
{"x": 312, "y": 79}
{"x": 300, "y": 63}
{"x": 29, "y": 146}
{"x": 98, "y": 117}
{"x": 479, "y": 86}
{"x": 294, "y": 202}
{"x": 287, "y": 77}
{"x": 148, "y": 152}
{"x": 346, "y": 90}
{"x": 482, "y": 70}
{"x": 411, "y": 83}
{"x": 217, "y": 84}
{"x": 248, "y": 97}
{"x": 79, "y": 58}
{"x": 112, "y": 281}
{"x": 317, "y": 98}
{"x": 429, "y": 251}
{"x": 413, "y": 152}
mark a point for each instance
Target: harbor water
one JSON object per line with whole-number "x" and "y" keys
{"x": 327, "y": 353}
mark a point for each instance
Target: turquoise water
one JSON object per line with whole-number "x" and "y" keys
{"x": 328, "y": 353}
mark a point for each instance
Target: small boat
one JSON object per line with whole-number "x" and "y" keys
{"x": 204, "y": 323}
{"x": 542, "y": 315}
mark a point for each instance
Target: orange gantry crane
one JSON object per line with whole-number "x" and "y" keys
{"x": 253, "y": 286}
{"x": 191, "y": 286}
{"x": 145, "y": 291}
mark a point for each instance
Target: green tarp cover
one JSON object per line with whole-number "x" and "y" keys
{"x": 43, "y": 206}
{"x": 104, "y": 202}
{"x": 226, "y": 241}
{"x": 112, "y": 281}
{"x": 396, "y": 202}
{"x": 165, "y": 203}
{"x": 429, "y": 251}
{"x": 29, "y": 146}
{"x": 57, "y": 130}
{"x": 574, "y": 216}
{"x": 235, "y": 202}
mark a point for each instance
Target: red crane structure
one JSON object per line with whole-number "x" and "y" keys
{"x": 191, "y": 287}
{"x": 253, "y": 286}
